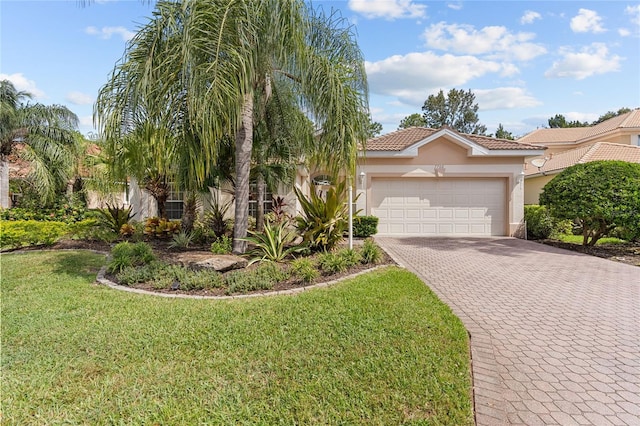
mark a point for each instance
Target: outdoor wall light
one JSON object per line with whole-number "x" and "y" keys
{"x": 439, "y": 169}
{"x": 362, "y": 176}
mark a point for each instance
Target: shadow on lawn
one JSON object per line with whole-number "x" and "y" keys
{"x": 83, "y": 264}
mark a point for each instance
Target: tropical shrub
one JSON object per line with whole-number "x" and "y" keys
{"x": 129, "y": 254}
{"x": 214, "y": 218}
{"x": 324, "y": 220}
{"x": 83, "y": 230}
{"x": 365, "y": 226}
{"x": 161, "y": 228}
{"x": 273, "y": 244}
{"x": 223, "y": 245}
{"x": 350, "y": 256}
{"x": 114, "y": 217}
{"x": 304, "y": 269}
{"x": 332, "y": 263}
{"x": 539, "y": 222}
{"x": 599, "y": 196}
{"x": 370, "y": 253}
{"x": 19, "y": 233}
{"x": 67, "y": 212}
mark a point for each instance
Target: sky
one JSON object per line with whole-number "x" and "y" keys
{"x": 525, "y": 61}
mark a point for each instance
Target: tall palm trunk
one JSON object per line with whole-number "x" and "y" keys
{"x": 244, "y": 143}
{"x": 189, "y": 212}
{"x": 260, "y": 196}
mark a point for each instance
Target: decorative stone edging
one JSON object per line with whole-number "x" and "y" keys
{"x": 104, "y": 281}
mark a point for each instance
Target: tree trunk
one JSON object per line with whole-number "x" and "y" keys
{"x": 244, "y": 143}
{"x": 189, "y": 212}
{"x": 260, "y": 195}
{"x": 4, "y": 183}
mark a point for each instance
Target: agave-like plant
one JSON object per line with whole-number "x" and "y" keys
{"x": 325, "y": 220}
{"x": 273, "y": 244}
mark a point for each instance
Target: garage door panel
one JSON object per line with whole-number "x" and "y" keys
{"x": 439, "y": 206}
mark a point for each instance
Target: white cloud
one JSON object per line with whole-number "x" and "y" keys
{"x": 412, "y": 77}
{"x": 581, "y": 116}
{"x": 634, "y": 11}
{"x": 388, "y": 9}
{"x": 529, "y": 16}
{"x": 23, "y": 84}
{"x": 591, "y": 60}
{"x": 587, "y": 21}
{"x": 107, "y": 32}
{"x": 495, "y": 41}
{"x": 504, "y": 98}
{"x": 79, "y": 98}
{"x": 86, "y": 121}
{"x": 455, "y": 6}
{"x": 623, "y": 32}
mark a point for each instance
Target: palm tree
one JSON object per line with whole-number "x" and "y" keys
{"x": 212, "y": 64}
{"x": 42, "y": 135}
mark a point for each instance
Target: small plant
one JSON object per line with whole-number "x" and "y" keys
{"x": 140, "y": 274}
{"x": 127, "y": 230}
{"x": 350, "y": 256}
{"x": 273, "y": 243}
{"x": 214, "y": 218}
{"x": 113, "y": 217}
{"x": 182, "y": 240}
{"x": 278, "y": 212}
{"x": 304, "y": 269}
{"x": 370, "y": 253}
{"x": 127, "y": 254}
{"x": 201, "y": 280}
{"x": 223, "y": 245}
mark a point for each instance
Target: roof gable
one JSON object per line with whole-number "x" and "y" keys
{"x": 406, "y": 142}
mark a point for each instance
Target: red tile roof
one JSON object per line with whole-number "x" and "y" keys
{"x": 628, "y": 121}
{"x": 404, "y": 138}
{"x": 585, "y": 154}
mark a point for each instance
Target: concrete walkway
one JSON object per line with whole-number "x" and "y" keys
{"x": 555, "y": 335}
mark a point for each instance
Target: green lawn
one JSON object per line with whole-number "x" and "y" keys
{"x": 378, "y": 349}
{"x": 577, "y": 239}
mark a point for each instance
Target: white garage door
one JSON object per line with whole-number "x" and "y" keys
{"x": 437, "y": 206}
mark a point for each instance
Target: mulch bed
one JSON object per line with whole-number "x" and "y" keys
{"x": 628, "y": 253}
{"x": 164, "y": 253}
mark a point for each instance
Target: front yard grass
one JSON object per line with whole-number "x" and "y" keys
{"x": 577, "y": 239}
{"x": 376, "y": 349}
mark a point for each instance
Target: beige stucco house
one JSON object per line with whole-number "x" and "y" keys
{"x": 438, "y": 182}
{"x": 615, "y": 139}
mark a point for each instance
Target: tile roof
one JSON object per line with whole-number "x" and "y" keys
{"x": 404, "y": 138}
{"x": 629, "y": 120}
{"x": 585, "y": 154}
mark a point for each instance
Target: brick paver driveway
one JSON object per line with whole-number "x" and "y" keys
{"x": 555, "y": 335}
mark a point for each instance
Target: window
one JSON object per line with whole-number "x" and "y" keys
{"x": 253, "y": 202}
{"x": 174, "y": 205}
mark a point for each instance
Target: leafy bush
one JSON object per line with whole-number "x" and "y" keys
{"x": 223, "y": 245}
{"x": 140, "y": 274}
{"x": 202, "y": 279}
{"x": 365, "y": 226}
{"x": 127, "y": 230}
{"x": 370, "y": 253}
{"x": 350, "y": 256}
{"x": 332, "y": 263}
{"x": 599, "y": 196}
{"x": 129, "y": 254}
{"x": 539, "y": 222}
{"x": 63, "y": 211}
{"x": 262, "y": 278}
{"x": 324, "y": 220}
{"x": 304, "y": 269}
{"x": 273, "y": 243}
{"x": 19, "y": 233}
{"x": 161, "y": 228}
{"x": 214, "y": 218}
{"x": 114, "y": 217}
{"x": 82, "y": 230}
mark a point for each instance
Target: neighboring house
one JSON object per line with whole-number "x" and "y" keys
{"x": 438, "y": 182}
{"x": 615, "y": 139}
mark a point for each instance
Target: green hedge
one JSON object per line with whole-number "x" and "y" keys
{"x": 19, "y": 233}
{"x": 365, "y": 226}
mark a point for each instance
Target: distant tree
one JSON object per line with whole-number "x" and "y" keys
{"x": 413, "y": 120}
{"x": 457, "y": 110}
{"x": 599, "y": 196}
{"x": 501, "y": 133}
{"x": 560, "y": 121}
{"x": 374, "y": 128}
{"x": 610, "y": 114}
